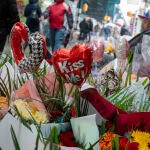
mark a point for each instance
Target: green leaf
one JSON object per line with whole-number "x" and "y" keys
{"x": 4, "y": 88}
{"x": 52, "y": 140}
{"x": 54, "y": 135}
{"x": 3, "y": 60}
{"x": 115, "y": 144}
{"x": 123, "y": 99}
{"x": 37, "y": 140}
{"x": 128, "y": 77}
{"x": 130, "y": 57}
{"x": 71, "y": 89}
{"x": 9, "y": 81}
{"x": 48, "y": 141}
{"x": 20, "y": 82}
{"x": 102, "y": 128}
{"x": 92, "y": 145}
{"x": 145, "y": 82}
{"x": 22, "y": 120}
{"x": 15, "y": 141}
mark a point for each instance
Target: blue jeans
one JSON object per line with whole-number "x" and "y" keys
{"x": 57, "y": 36}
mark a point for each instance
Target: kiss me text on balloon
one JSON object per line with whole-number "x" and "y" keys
{"x": 68, "y": 69}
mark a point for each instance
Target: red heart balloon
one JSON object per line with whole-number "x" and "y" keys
{"x": 19, "y": 33}
{"x": 73, "y": 65}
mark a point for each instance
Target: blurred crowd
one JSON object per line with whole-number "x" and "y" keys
{"x": 56, "y": 23}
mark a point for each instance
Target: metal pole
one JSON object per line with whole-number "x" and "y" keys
{"x": 78, "y": 14}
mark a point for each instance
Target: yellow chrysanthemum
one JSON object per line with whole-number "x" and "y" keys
{"x": 23, "y": 108}
{"x": 29, "y": 111}
{"x": 32, "y": 107}
{"x": 143, "y": 138}
{"x": 40, "y": 117}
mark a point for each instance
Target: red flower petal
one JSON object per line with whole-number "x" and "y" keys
{"x": 67, "y": 139}
{"x": 133, "y": 146}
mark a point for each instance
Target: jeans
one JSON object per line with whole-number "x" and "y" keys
{"x": 57, "y": 36}
{"x": 106, "y": 36}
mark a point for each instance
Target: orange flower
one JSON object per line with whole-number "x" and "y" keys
{"x": 133, "y": 76}
{"x": 3, "y": 102}
{"x": 106, "y": 142}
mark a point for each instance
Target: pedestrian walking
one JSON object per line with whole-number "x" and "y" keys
{"x": 8, "y": 16}
{"x": 33, "y": 13}
{"x": 107, "y": 32}
{"x": 124, "y": 31}
{"x": 97, "y": 29}
{"x": 86, "y": 27}
{"x": 57, "y": 13}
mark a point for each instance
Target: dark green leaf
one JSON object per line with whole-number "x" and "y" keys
{"x": 15, "y": 141}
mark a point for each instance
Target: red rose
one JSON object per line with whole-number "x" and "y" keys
{"x": 55, "y": 114}
{"x": 133, "y": 146}
{"x": 73, "y": 112}
{"x": 124, "y": 143}
{"x": 108, "y": 125}
{"x": 67, "y": 139}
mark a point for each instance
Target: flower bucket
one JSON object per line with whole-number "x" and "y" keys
{"x": 26, "y": 139}
{"x": 85, "y": 130}
{"x": 46, "y": 128}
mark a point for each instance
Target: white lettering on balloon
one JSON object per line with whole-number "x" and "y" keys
{"x": 68, "y": 69}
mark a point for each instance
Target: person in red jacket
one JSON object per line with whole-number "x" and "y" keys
{"x": 57, "y": 13}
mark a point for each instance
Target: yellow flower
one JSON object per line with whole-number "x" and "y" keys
{"x": 23, "y": 109}
{"x": 143, "y": 138}
{"x": 110, "y": 48}
{"x": 29, "y": 111}
{"x": 32, "y": 107}
{"x": 40, "y": 117}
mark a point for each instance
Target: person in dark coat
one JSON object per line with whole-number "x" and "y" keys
{"x": 33, "y": 7}
{"x": 8, "y": 16}
{"x": 86, "y": 27}
{"x": 124, "y": 31}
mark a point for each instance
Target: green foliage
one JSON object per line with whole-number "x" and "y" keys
{"x": 92, "y": 145}
{"x": 52, "y": 140}
{"x": 124, "y": 101}
{"x": 22, "y": 120}
{"x": 37, "y": 140}
{"x": 102, "y": 128}
{"x": 54, "y": 135}
{"x": 115, "y": 144}
{"x": 3, "y": 60}
{"x": 15, "y": 141}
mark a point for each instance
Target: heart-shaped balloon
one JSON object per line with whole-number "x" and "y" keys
{"x": 73, "y": 65}
{"x": 98, "y": 49}
{"x": 37, "y": 46}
